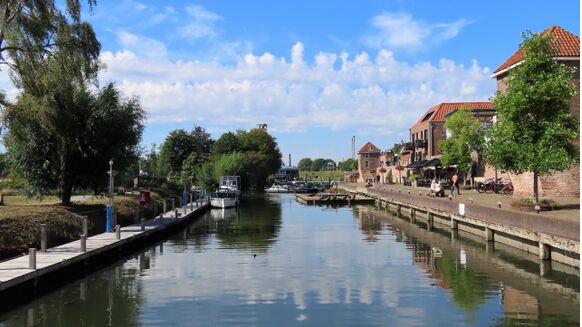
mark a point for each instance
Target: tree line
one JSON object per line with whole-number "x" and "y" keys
{"x": 319, "y": 164}
{"x": 195, "y": 158}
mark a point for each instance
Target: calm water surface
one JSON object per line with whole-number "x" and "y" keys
{"x": 276, "y": 262}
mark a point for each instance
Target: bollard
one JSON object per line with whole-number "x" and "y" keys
{"x": 191, "y": 206}
{"x": 32, "y": 259}
{"x": 471, "y": 200}
{"x": 84, "y": 229}
{"x": 142, "y": 224}
{"x": 43, "y": 238}
{"x": 499, "y": 204}
{"x": 450, "y": 197}
{"x": 185, "y": 208}
{"x": 176, "y": 213}
{"x": 118, "y": 231}
{"x": 164, "y": 210}
{"x": 83, "y": 243}
{"x": 408, "y": 192}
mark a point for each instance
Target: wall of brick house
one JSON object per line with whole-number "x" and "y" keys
{"x": 439, "y": 134}
{"x": 373, "y": 163}
{"x": 420, "y": 130}
{"x": 559, "y": 184}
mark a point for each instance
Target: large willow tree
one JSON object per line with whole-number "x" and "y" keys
{"x": 62, "y": 130}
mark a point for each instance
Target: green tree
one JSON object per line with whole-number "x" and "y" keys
{"x": 262, "y": 149}
{"x": 305, "y": 164}
{"x": 75, "y": 153}
{"x": 226, "y": 143}
{"x": 348, "y": 165}
{"x": 318, "y": 164}
{"x": 466, "y": 137}
{"x": 179, "y": 145}
{"x": 396, "y": 147}
{"x": 535, "y": 128}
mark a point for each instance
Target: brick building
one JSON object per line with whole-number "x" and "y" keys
{"x": 368, "y": 161}
{"x": 430, "y": 128}
{"x": 566, "y": 183}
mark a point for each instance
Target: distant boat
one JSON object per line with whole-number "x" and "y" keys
{"x": 228, "y": 193}
{"x": 277, "y": 189}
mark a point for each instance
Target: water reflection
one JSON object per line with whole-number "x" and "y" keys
{"x": 276, "y": 262}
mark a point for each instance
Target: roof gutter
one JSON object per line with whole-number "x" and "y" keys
{"x": 505, "y": 70}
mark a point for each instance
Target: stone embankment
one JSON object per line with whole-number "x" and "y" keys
{"x": 551, "y": 238}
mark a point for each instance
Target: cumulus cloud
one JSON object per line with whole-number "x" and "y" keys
{"x": 367, "y": 93}
{"x": 145, "y": 46}
{"x": 400, "y": 30}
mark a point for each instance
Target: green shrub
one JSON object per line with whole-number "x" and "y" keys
{"x": 415, "y": 177}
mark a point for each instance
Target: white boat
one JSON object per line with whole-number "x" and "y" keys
{"x": 223, "y": 199}
{"x": 277, "y": 189}
{"x": 228, "y": 194}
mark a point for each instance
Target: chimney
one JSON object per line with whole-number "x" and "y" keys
{"x": 290, "y": 160}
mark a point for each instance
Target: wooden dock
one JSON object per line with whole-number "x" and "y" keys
{"x": 332, "y": 198}
{"x": 58, "y": 265}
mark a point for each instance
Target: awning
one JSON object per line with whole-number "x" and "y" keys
{"x": 434, "y": 163}
{"x": 418, "y": 164}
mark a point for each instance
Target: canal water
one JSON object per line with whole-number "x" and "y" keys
{"x": 275, "y": 262}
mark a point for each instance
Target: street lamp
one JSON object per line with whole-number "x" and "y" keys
{"x": 111, "y": 219}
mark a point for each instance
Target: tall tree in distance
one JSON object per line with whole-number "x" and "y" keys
{"x": 227, "y": 143}
{"x": 180, "y": 145}
{"x": 305, "y": 164}
{"x": 535, "y": 128}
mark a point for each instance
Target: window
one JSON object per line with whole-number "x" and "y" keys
{"x": 427, "y": 116}
{"x": 366, "y": 164}
{"x": 426, "y": 134}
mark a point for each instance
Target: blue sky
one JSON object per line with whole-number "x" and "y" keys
{"x": 317, "y": 72}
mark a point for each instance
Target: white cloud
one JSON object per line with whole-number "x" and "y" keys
{"x": 400, "y": 30}
{"x": 145, "y": 46}
{"x": 202, "y": 23}
{"x": 371, "y": 94}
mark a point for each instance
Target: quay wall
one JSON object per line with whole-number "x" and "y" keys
{"x": 552, "y": 239}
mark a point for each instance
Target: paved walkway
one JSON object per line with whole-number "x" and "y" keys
{"x": 569, "y": 207}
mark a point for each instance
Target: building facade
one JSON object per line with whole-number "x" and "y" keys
{"x": 558, "y": 184}
{"x": 368, "y": 162}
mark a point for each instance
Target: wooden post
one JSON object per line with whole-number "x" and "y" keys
{"x": 83, "y": 243}
{"x": 545, "y": 252}
{"x": 118, "y": 232}
{"x": 398, "y": 209}
{"x": 488, "y": 234}
{"x": 142, "y": 224}
{"x": 32, "y": 259}
{"x": 430, "y": 221}
{"x": 43, "y": 238}
{"x": 412, "y": 214}
{"x": 84, "y": 229}
{"x": 176, "y": 213}
{"x": 454, "y": 224}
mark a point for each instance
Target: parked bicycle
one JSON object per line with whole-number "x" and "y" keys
{"x": 498, "y": 186}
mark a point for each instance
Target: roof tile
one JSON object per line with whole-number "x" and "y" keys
{"x": 442, "y": 109}
{"x": 369, "y": 147}
{"x": 567, "y": 43}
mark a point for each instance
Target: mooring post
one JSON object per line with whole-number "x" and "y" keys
{"x": 118, "y": 232}
{"x": 454, "y": 223}
{"x": 398, "y": 209}
{"x": 412, "y": 214}
{"x": 84, "y": 229}
{"x": 164, "y": 207}
{"x": 32, "y": 258}
{"x": 176, "y": 213}
{"x": 488, "y": 234}
{"x": 544, "y": 253}
{"x": 142, "y": 224}
{"x": 185, "y": 208}
{"x": 43, "y": 238}
{"x": 84, "y": 243}
{"x": 430, "y": 220}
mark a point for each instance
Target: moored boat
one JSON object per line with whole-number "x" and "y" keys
{"x": 228, "y": 193}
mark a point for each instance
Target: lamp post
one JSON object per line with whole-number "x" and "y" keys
{"x": 111, "y": 217}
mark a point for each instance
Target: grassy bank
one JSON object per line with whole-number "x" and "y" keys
{"x": 20, "y": 218}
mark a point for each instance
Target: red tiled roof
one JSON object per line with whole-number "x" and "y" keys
{"x": 568, "y": 46}
{"x": 369, "y": 147}
{"x": 439, "y": 111}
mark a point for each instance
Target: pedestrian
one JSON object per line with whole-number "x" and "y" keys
{"x": 455, "y": 189}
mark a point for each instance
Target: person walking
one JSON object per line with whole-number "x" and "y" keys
{"x": 455, "y": 189}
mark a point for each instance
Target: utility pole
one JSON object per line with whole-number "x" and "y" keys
{"x": 354, "y": 147}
